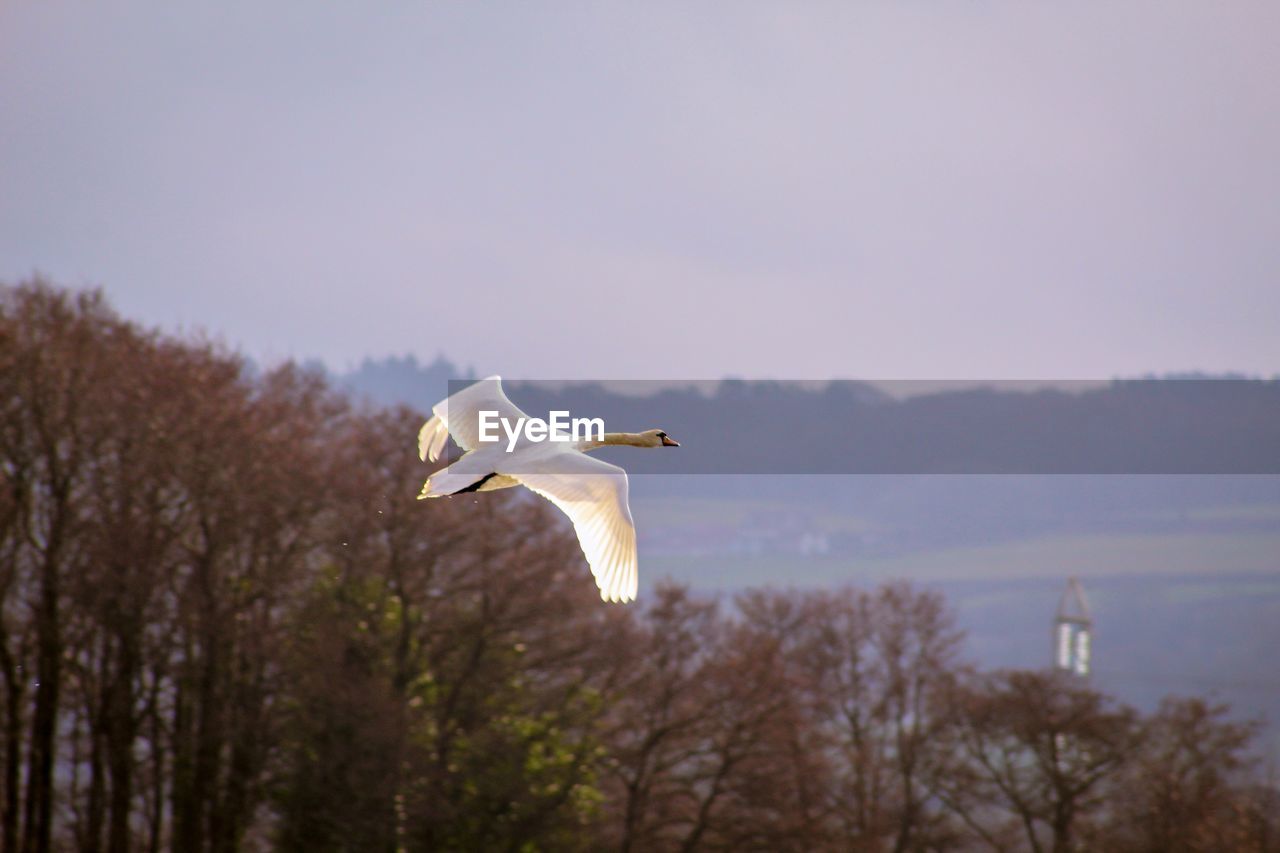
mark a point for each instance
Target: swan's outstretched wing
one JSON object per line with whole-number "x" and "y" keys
{"x": 593, "y": 494}
{"x": 458, "y": 415}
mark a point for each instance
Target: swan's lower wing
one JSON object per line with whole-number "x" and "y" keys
{"x": 458, "y": 415}
{"x": 593, "y": 494}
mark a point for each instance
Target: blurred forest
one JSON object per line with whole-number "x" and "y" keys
{"x": 225, "y": 624}
{"x": 1178, "y": 425}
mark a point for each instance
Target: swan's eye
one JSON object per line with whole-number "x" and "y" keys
{"x": 662, "y": 435}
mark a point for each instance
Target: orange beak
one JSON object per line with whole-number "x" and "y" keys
{"x": 668, "y": 441}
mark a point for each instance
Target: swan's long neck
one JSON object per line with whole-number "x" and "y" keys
{"x": 611, "y": 439}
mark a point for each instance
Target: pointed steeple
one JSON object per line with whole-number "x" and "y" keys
{"x": 1073, "y": 631}
{"x": 1073, "y": 606}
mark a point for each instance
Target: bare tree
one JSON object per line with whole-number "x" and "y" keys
{"x": 51, "y": 369}
{"x": 1188, "y": 789}
{"x": 870, "y": 668}
{"x": 659, "y": 720}
{"x": 1033, "y": 753}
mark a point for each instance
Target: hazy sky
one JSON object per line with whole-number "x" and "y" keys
{"x": 897, "y": 189}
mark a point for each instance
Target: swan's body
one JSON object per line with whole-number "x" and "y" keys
{"x": 592, "y": 492}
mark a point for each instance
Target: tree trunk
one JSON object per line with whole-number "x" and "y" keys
{"x": 38, "y": 833}
{"x": 12, "y": 745}
{"x": 121, "y": 734}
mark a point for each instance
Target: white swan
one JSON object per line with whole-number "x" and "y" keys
{"x": 592, "y": 492}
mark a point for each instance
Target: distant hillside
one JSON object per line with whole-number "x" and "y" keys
{"x": 1145, "y": 426}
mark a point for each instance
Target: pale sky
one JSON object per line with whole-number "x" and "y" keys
{"x": 579, "y": 190}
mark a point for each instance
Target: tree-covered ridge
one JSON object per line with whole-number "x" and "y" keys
{"x": 225, "y": 624}
{"x": 1184, "y": 424}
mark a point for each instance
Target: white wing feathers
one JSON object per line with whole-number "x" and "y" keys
{"x": 593, "y": 494}
{"x": 431, "y": 439}
{"x": 458, "y": 415}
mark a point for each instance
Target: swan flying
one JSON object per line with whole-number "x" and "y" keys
{"x": 592, "y": 492}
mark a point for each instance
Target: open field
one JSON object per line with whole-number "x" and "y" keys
{"x": 1050, "y": 558}
{"x": 1173, "y": 613}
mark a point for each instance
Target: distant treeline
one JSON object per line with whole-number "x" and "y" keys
{"x": 225, "y": 624}
{"x": 1183, "y": 426}
{"x": 1187, "y": 425}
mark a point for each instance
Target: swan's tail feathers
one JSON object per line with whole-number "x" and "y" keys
{"x": 445, "y": 482}
{"x": 431, "y": 438}
{"x": 441, "y": 484}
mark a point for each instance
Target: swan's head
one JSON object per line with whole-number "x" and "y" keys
{"x": 658, "y": 438}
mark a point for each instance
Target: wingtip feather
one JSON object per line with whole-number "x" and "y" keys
{"x": 431, "y": 439}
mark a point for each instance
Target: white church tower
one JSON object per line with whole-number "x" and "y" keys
{"x": 1072, "y": 631}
